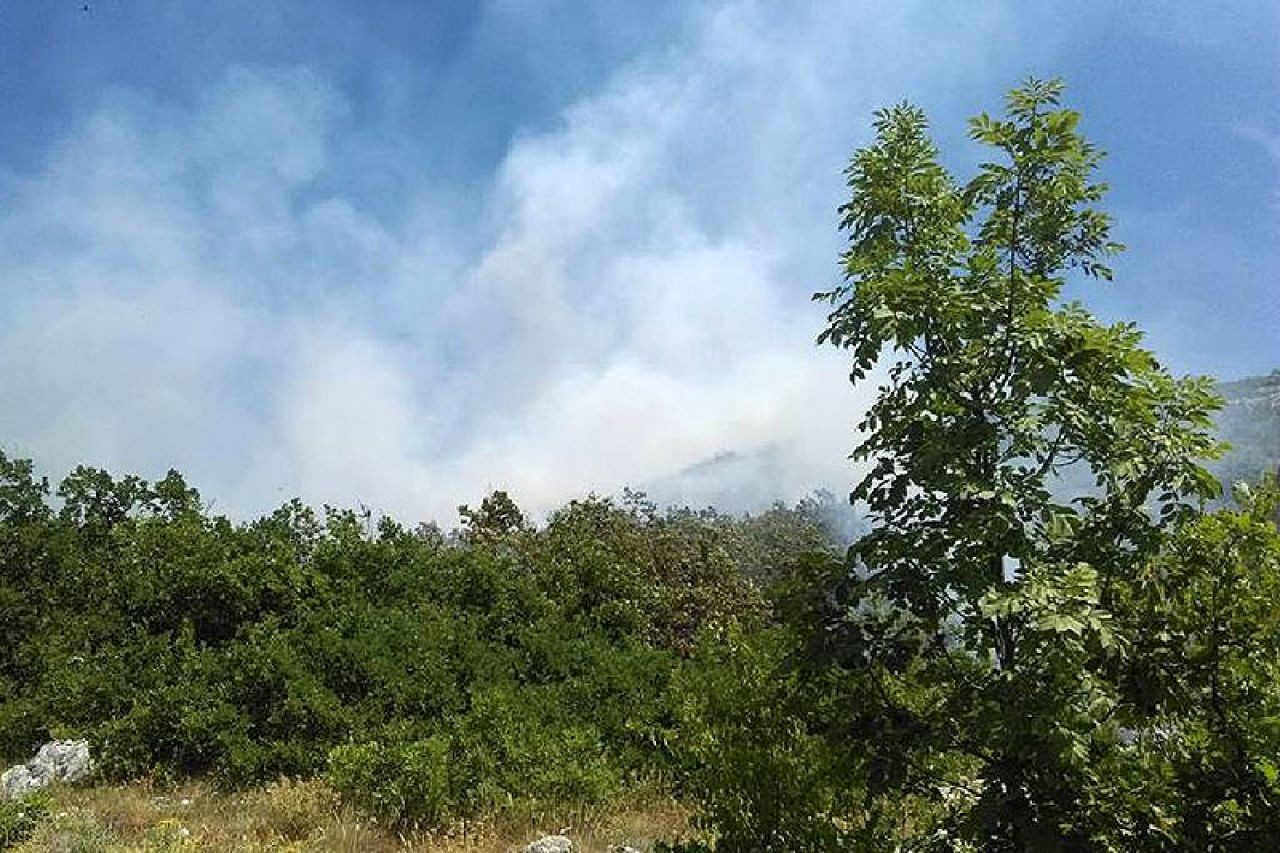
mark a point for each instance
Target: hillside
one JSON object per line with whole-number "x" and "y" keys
{"x": 1251, "y": 424}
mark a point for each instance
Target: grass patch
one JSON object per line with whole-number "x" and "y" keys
{"x": 309, "y": 816}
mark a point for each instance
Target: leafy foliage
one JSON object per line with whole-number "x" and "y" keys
{"x": 20, "y": 818}
{"x": 1001, "y": 625}
{"x": 1008, "y": 661}
{"x": 750, "y": 754}
{"x": 1205, "y": 677}
{"x": 433, "y": 677}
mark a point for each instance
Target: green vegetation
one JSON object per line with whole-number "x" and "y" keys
{"x": 20, "y": 819}
{"x": 999, "y": 664}
{"x": 431, "y": 677}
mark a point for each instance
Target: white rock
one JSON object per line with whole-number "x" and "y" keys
{"x": 550, "y": 844}
{"x": 16, "y": 782}
{"x": 56, "y": 761}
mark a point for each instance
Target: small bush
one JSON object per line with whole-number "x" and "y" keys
{"x": 762, "y": 779}
{"x": 292, "y": 810}
{"x": 20, "y": 818}
{"x": 404, "y": 782}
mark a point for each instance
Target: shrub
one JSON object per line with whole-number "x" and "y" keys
{"x": 406, "y": 782}
{"x": 20, "y": 818}
{"x": 743, "y": 746}
{"x": 513, "y": 746}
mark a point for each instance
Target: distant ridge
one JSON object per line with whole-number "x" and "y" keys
{"x": 1250, "y": 422}
{"x": 1261, "y": 391}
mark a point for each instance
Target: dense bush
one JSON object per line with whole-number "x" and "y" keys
{"x": 432, "y": 676}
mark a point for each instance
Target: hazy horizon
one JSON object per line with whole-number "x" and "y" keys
{"x": 406, "y": 256}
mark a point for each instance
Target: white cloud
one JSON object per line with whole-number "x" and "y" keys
{"x": 187, "y": 286}
{"x": 1267, "y": 142}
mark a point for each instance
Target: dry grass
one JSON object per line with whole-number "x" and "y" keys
{"x": 308, "y": 816}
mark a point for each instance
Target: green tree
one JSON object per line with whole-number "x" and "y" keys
{"x": 984, "y": 606}
{"x": 1204, "y": 669}
{"x": 25, "y": 521}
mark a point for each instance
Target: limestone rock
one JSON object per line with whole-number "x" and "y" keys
{"x": 56, "y": 761}
{"x": 550, "y": 844}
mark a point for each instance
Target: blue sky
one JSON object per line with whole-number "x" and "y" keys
{"x": 403, "y": 253}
